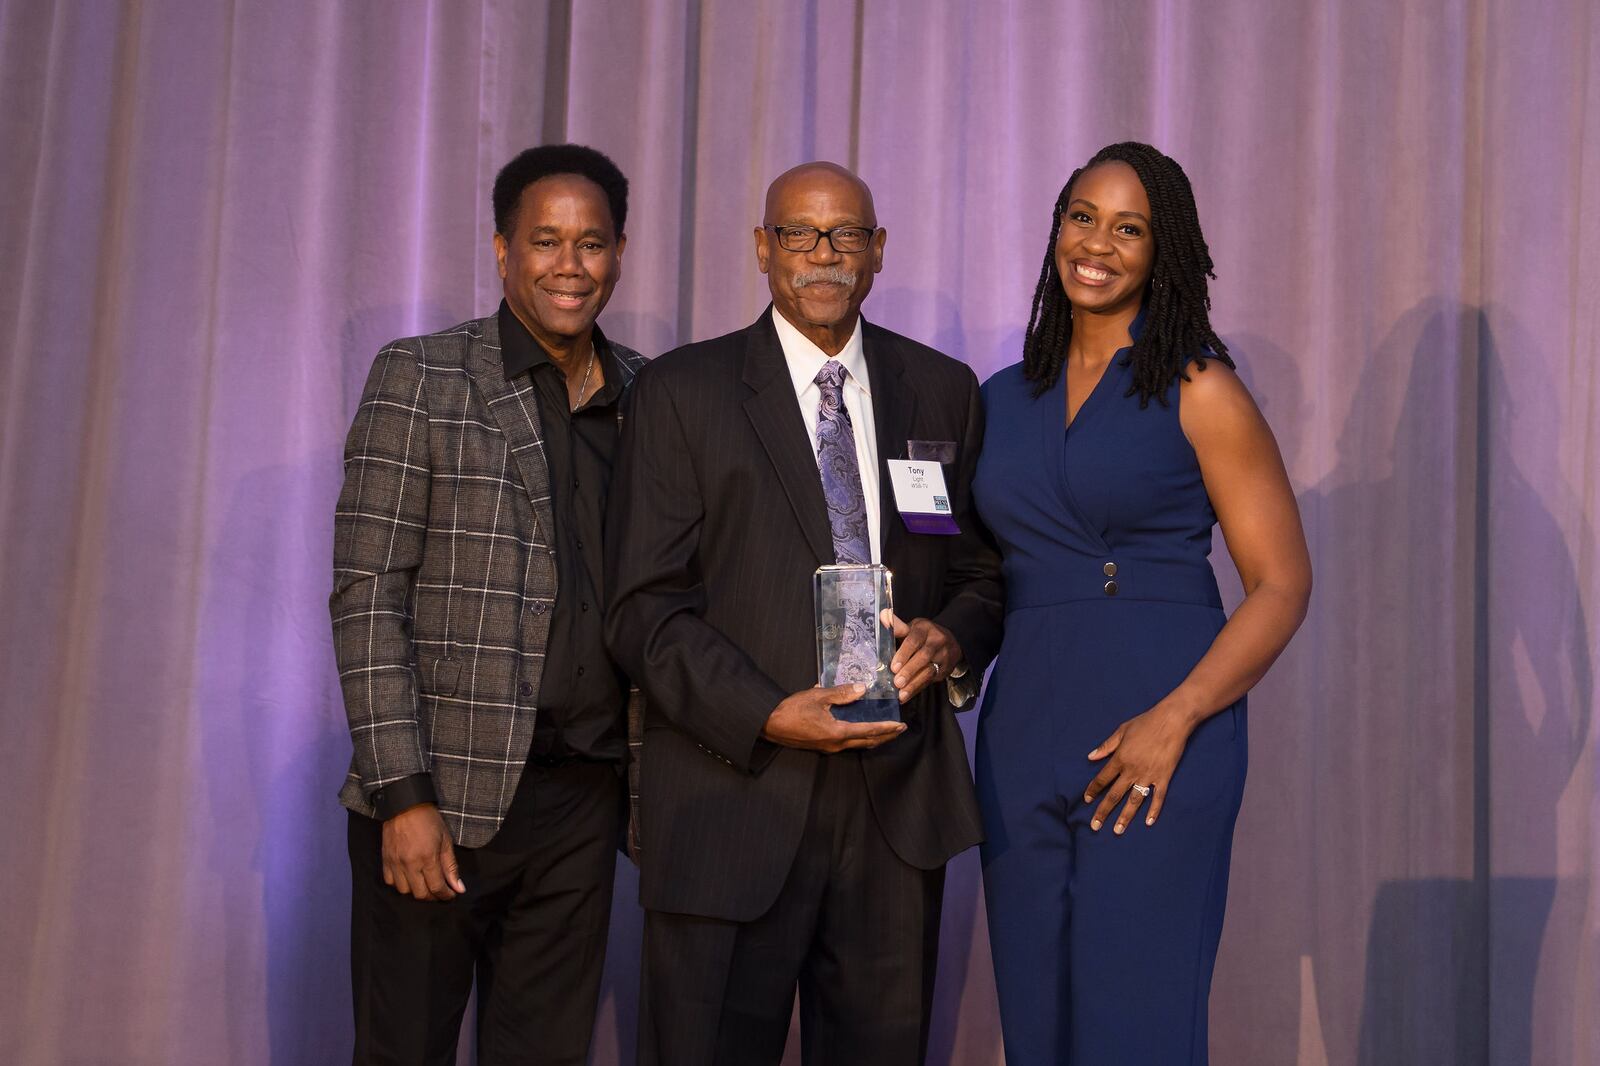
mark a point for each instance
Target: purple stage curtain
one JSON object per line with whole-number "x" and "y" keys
{"x": 213, "y": 214}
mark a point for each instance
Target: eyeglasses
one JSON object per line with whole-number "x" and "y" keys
{"x": 842, "y": 239}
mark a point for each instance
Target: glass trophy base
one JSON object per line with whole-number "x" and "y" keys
{"x": 853, "y": 645}
{"x": 869, "y": 710}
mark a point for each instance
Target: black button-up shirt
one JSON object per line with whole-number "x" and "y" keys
{"x": 582, "y": 696}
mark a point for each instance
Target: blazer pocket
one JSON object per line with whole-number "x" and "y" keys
{"x": 938, "y": 451}
{"x": 445, "y": 673}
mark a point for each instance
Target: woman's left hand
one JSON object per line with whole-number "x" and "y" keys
{"x": 1143, "y": 751}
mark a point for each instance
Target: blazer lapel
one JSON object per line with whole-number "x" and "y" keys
{"x": 775, "y": 416}
{"x": 894, "y": 406}
{"x": 515, "y": 409}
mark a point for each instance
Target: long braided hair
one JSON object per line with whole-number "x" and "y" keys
{"x": 1176, "y": 300}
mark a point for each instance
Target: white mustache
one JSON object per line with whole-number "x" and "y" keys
{"x": 825, "y": 276}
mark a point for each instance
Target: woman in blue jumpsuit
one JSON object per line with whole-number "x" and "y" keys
{"x": 1111, "y": 745}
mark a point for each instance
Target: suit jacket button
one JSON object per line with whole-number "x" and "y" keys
{"x": 1111, "y": 588}
{"x": 1110, "y": 569}
{"x": 525, "y": 689}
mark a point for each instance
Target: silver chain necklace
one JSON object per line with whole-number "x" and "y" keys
{"x": 584, "y": 384}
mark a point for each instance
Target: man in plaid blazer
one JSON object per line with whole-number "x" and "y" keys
{"x": 485, "y": 792}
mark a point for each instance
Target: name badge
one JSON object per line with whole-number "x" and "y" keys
{"x": 920, "y": 495}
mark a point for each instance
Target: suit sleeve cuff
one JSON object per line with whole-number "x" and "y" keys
{"x": 961, "y": 687}
{"x": 401, "y": 795}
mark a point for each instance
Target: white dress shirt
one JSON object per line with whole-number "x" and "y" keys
{"x": 805, "y": 359}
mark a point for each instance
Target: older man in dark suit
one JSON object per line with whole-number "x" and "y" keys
{"x": 485, "y": 791}
{"x": 781, "y": 846}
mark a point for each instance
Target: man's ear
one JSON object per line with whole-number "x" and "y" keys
{"x": 763, "y": 250}
{"x": 877, "y": 250}
{"x": 500, "y": 249}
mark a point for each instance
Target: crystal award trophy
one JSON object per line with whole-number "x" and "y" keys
{"x": 853, "y": 646}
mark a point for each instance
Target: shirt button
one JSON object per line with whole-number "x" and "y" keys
{"x": 1111, "y": 588}
{"x": 585, "y": 606}
{"x": 525, "y": 689}
{"x": 580, "y": 671}
{"x": 580, "y": 545}
{"x": 1110, "y": 569}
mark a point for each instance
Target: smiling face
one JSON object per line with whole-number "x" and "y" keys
{"x": 1105, "y": 251}
{"x": 819, "y": 291}
{"x": 561, "y": 260}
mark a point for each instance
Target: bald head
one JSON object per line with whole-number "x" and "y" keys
{"x": 820, "y": 289}
{"x": 820, "y": 177}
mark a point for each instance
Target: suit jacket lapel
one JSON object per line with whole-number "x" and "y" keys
{"x": 515, "y": 409}
{"x": 894, "y": 406}
{"x": 775, "y": 416}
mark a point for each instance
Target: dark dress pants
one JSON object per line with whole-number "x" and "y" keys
{"x": 854, "y": 928}
{"x": 531, "y": 928}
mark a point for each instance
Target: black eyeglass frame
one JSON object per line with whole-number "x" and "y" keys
{"x": 870, "y": 231}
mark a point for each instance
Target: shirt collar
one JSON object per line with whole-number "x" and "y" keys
{"x": 805, "y": 358}
{"x": 520, "y": 353}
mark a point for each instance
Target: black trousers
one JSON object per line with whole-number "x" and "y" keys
{"x": 854, "y": 928}
{"x": 531, "y": 928}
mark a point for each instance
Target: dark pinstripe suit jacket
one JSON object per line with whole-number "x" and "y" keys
{"x": 444, "y": 574}
{"x": 717, "y": 523}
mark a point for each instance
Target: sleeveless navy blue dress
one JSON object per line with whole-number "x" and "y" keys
{"x": 1103, "y": 945}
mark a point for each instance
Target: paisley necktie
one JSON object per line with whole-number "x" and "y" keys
{"x": 841, "y": 471}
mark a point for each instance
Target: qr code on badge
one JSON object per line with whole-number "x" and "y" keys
{"x": 941, "y": 504}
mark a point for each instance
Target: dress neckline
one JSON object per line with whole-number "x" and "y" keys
{"x": 1106, "y": 372}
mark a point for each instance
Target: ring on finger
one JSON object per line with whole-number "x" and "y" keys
{"x": 1143, "y": 790}
{"x": 935, "y": 669}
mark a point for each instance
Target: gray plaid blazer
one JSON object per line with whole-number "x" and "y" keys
{"x": 444, "y": 575}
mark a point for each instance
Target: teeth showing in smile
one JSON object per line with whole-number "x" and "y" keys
{"x": 565, "y": 299}
{"x": 1089, "y": 273}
